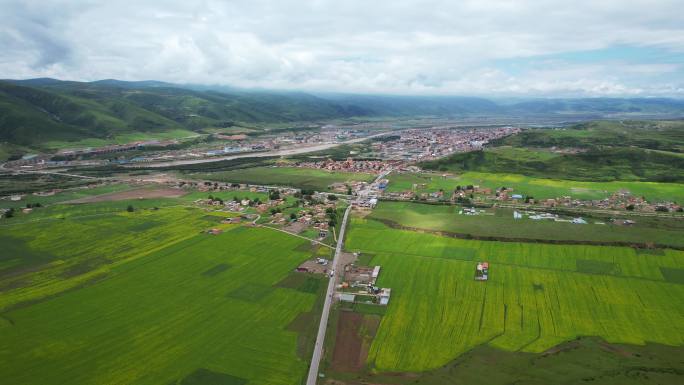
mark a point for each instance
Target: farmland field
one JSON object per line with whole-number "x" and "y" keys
{"x": 499, "y": 223}
{"x": 537, "y": 297}
{"x": 539, "y": 188}
{"x": 289, "y": 176}
{"x": 88, "y": 298}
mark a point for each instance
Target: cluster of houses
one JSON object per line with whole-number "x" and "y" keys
{"x": 552, "y": 217}
{"x": 349, "y": 165}
{"x": 439, "y": 141}
{"x": 314, "y": 215}
{"x": 620, "y": 200}
{"x": 358, "y": 285}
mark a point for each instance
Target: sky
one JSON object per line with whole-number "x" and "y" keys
{"x": 481, "y": 48}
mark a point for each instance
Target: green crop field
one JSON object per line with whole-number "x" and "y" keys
{"x": 538, "y": 295}
{"x": 539, "y": 188}
{"x": 499, "y": 223}
{"x": 288, "y": 176}
{"x": 145, "y": 297}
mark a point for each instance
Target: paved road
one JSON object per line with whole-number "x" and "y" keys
{"x": 318, "y": 349}
{"x": 56, "y": 173}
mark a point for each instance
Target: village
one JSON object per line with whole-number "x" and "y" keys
{"x": 192, "y": 148}
{"x": 621, "y": 200}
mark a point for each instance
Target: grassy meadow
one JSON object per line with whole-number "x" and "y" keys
{"x": 89, "y": 292}
{"x": 538, "y": 295}
{"x": 539, "y": 188}
{"x": 304, "y": 178}
{"x": 499, "y": 223}
{"x": 592, "y": 151}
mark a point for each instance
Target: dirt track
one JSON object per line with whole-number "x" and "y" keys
{"x": 143, "y": 193}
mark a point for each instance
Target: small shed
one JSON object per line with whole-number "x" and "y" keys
{"x": 347, "y": 297}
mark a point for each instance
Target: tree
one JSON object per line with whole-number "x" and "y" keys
{"x": 332, "y": 197}
{"x": 349, "y": 190}
{"x": 630, "y": 207}
{"x": 130, "y": 208}
{"x": 9, "y": 213}
{"x": 293, "y": 216}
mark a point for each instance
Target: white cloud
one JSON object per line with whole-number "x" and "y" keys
{"x": 436, "y": 47}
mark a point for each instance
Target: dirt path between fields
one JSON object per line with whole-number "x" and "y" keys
{"x": 143, "y": 193}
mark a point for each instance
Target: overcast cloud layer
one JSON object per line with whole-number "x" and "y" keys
{"x": 494, "y": 48}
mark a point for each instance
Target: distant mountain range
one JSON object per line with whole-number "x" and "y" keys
{"x": 36, "y": 111}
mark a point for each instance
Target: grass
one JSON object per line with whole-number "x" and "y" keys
{"x": 536, "y": 296}
{"x": 288, "y": 176}
{"x": 170, "y": 305}
{"x": 67, "y": 195}
{"x": 499, "y": 223}
{"x": 610, "y": 151}
{"x": 540, "y": 188}
{"x": 123, "y": 138}
{"x": 584, "y": 360}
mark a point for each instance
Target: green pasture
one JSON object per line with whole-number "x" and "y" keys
{"x": 145, "y": 298}
{"x": 538, "y": 188}
{"x": 66, "y": 195}
{"x": 500, "y": 223}
{"x": 304, "y": 178}
{"x": 64, "y": 246}
{"x": 123, "y": 138}
{"x": 538, "y": 295}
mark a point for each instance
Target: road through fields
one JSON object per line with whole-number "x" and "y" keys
{"x": 318, "y": 349}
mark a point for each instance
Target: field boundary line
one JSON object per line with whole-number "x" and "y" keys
{"x": 296, "y": 235}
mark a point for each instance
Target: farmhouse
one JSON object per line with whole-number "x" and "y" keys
{"x": 482, "y": 271}
{"x": 362, "y": 279}
{"x": 347, "y": 297}
{"x": 361, "y": 275}
{"x": 384, "y": 296}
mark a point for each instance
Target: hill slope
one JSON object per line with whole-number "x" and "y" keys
{"x": 598, "y": 151}
{"x": 35, "y": 113}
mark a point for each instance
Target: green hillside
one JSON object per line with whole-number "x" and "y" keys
{"x": 40, "y": 114}
{"x": 47, "y": 112}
